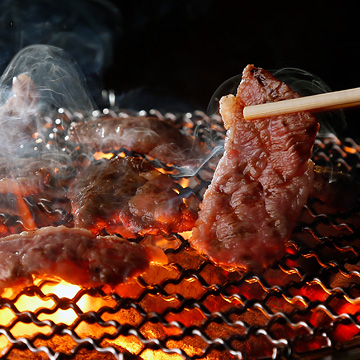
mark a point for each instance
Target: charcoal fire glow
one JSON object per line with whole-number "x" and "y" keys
{"x": 302, "y": 306}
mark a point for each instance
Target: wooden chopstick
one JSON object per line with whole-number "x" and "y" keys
{"x": 314, "y": 103}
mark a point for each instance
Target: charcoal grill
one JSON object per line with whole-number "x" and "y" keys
{"x": 305, "y": 306}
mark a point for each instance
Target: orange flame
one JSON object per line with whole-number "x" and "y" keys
{"x": 40, "y": 304}
{"x": 350, "y": 150}
{"x": 25, "y": 213}
{"x": 101, "y": 155}
{"x": 35, "y": 303}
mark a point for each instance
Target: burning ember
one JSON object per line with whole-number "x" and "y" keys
{"x": 304, "y": 306}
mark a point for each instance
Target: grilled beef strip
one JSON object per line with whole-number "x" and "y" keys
{"x": 128, "y": 196}
{"x": 262, "y": 181}
{"x": 145, "y": 135}
{"x": 74, "y": 255}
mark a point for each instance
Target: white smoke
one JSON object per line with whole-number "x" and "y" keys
{"x": 88, "y": 30}
{"x": 38, "y": 81}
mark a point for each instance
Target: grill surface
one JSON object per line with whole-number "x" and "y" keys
{"x": 306, "y": 306}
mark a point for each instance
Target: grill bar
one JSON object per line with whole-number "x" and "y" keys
{"x": 306, "y": 306}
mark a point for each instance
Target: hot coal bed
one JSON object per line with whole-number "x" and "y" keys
{"x": 305, "y": 306}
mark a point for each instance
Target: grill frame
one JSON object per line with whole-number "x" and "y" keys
{"x": 329, "y": 151}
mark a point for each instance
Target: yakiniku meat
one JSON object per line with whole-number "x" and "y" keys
{"x": 262, "y": 181}
{"x": 74, "y": 255}
{"x": 128, "y": 196}
{"x": 146, "y": 135}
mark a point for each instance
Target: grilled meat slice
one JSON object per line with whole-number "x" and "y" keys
{"x": 145, "y": 135}
{"x": 262, "y": 181}
{"x": 129, "y": 197}
{"x": 74, "y": 255}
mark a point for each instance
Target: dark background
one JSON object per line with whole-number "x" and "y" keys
{"x": 190, "y": 48}
{"x": 173, "y": 55}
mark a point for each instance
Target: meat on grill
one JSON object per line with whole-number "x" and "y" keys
{"x": 145, "y": 135}
{"x": 262, "y": 181}
{"x": 127, "y": 196}
{"x": 74, "y": 255}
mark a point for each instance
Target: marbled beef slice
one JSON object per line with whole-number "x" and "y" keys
{"x": 262, "y": 181}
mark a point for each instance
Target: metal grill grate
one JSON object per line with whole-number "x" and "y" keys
{"x": 306, "y": 306}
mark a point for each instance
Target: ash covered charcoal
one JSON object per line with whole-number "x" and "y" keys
{"x": 145, "y": 135}
{"x": 127, "y": 196}
{"x": 262, "y": 181}
{"x": 75, "y": 255}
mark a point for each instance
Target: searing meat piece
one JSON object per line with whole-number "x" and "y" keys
{"x": 75, "y": 255}
{"x": 128, "y": 196}
{"x": 145, "y": 135}
{"x": 262, "y": 181}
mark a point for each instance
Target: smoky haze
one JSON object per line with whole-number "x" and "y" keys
{"x": 87, "y": 30}
{"x": 57, "y": 78}
{"x": 169, "y": 55}
{"x": 39, "y": 81}
{"x": 39, "y": 87}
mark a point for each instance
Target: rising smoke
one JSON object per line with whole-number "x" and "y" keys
{"x": 39, "y": 81}
{"x": 87, "y": 30}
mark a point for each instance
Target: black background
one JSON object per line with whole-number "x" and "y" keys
{"x": 173, "y": 55}
{"x": 190, "y": 48}
{"x": 187, "y": 49}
